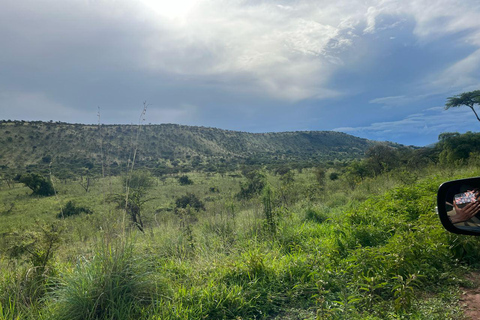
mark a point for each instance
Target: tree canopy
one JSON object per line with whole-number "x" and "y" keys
{"x": 40, "y": 185}
{"x": 469, "y": 99}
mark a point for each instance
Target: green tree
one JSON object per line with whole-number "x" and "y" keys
{"x": 8, "y": 177}
{"x": 456, "y": 147}
{"x": 355, "y": 172}
{"x": 381, "y": 158}
{"x": 447, "y": 135}
{"x": 40, "y": 185}
{"x": 140, "y": 181}
{"x": 469, "y": 99}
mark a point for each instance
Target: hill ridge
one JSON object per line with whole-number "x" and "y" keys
{"x": 27, "y": 145}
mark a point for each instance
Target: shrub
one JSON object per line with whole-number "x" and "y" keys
{"x": 333, "y": 176}
{"x": 47, "y": 159}
{"x": 283, "y": 170}
{"x": 254, "y": 185}
{"x": 190, "y": 200}
{"x": 320, "y": 175}
{"x": 40, "y": 185}
{"x": 27, "y": 286}
{"x": 314, "y": 215}
{"x": 268, "y": 209}
{"x": 70, "y": 209}
{"x": 139, "y": 181}
{"x": 214, "y": 189}
{"x": 185, "y": 180}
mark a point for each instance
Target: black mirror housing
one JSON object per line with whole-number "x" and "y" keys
{"x": 458, "y": 205}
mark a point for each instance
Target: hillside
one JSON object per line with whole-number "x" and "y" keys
{"x": 34, "y": 145}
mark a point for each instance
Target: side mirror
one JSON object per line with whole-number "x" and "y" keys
{"x": 458, "y": 204}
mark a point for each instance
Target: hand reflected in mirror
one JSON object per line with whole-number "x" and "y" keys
{"x": 466, "y": 213}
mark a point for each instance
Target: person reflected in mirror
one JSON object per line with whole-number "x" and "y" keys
{"x": 464, "y": 208}
{"x": 465, "y": 213}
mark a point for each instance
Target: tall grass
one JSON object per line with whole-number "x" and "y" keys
{"x": 113, "y": 284}
{"x": 378, "y": 252}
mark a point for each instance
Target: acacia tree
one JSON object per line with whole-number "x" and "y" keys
{"x": 381, "y": 158}
{"x": 469, "y": 99}
{"x": 40, "y": 185}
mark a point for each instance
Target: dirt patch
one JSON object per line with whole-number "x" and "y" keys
{"x": 470, "y": 297}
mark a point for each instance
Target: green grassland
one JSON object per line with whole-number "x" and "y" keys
{"x": 306, "y": 247}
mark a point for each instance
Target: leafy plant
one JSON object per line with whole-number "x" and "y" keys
{"x": 38, "y": 184}
{"x": 256, "y": 181}
{"x": 190, "y": 200}
{"x": 370, "y": 287}
{"x": 315, "y": 215}
{"x": 333, "y": 176}
{"x": 71, "y": 209}
{"x": 38, "y": 248}
{"x": 404, "y": 293}
{"x": 184, "y": 180}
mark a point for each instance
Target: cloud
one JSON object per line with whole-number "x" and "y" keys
{"x": 238, "y": 62}
{"x": 183, "y": 114}
{"x": 394, "y": 100}
{"x": 461, "y": 76}
{"x": 430, "y": 122}
{"x": 36, "y": 106}
{"x": 280, "y": 51}
{"x": 288, "y": 50}
{"x": 291, "y": 52}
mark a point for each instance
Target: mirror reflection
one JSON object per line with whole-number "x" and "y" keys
{"x": 463, "y": 206}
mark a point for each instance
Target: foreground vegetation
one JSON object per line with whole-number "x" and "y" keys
{"x": 263, "y": 240}
{"x": 257, "y": 245}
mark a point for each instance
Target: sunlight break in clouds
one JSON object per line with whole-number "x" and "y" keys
{"x": 170, "y": 9}
{"x": 275, "y": 49}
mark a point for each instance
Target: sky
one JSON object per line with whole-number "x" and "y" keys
{"x": 380, "y": 70}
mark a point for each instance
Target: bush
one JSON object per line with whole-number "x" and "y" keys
{"x": 320, "y": 175}
{"x": 40, "y": 185}
{"x": 333, "y": 176}
{"x": 214, "y": 189}
{"x": 255, "y": 183}
{"x": 139, "y": 181}
{"x": 185, "y": 180}
{"x": 27, "y": 286}
{"x": 190, "y": 200}
{"x": 315, "y": 215}
{"x": 70, "y": 209}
